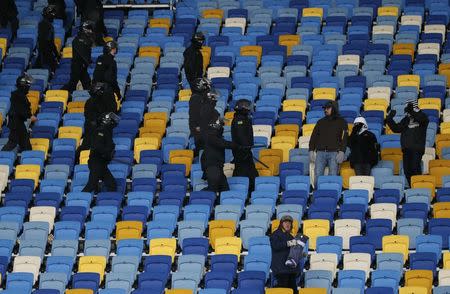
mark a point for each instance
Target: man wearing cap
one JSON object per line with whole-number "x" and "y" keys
{"x": 281, "y": 242}
{"x": 413, "y": 131}
{"x": 328, "y": 141}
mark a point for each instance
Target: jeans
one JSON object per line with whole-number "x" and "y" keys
{"x": 362, "y": 169}
{"x": 412, "y": 160}
{"x": 324, "y": 159}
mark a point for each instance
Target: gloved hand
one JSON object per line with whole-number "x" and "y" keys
{"x": 409, "y": 108}
{"x": 391, "y": 114}
{"x": 312, "y": 156}
{"x": 340, "y": 157}
{"x": 291, "y": 243}
{"x": 356, "y": 128}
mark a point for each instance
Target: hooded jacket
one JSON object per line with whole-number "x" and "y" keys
{"x": 193, "y": 64}
{"x": 215, "y": 146}
{"x": 330, "y": 133}
{"x": 280, "y": 251}
{"x": 363, "y": 145}
{"x": 106, "y": 71}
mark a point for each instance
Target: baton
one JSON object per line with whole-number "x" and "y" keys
{"x": 259, "y": 161}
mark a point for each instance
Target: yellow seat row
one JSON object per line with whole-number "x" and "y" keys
{"x": 3, "y": 46}
{"x": 160, "y": 23}
{"x": 28, "y": 171}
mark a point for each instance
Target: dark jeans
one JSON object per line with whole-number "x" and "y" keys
{"x": 78, "y": 73}
{"x": 217, "y": 181}
{"x": 287, "y": 281}
{"x": 18, "y": 136}
{"x": 98, "y": 170}
{"x": 362, "y": 169}
{"x": 412, "y": 160}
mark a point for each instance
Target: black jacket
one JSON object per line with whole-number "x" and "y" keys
{"x": 413, "y": 130}
{"x": 106, "y": 72}
{"x": 242, "y": 134}
{"x": 330, "y": 133}
{"x": 215, "y": 146}
{"x": 98, "y": 105}
{"x": 60, "y": 8}
{"x": 195, "y": 105}
{"x": 20, "y": 109}
{"x": 81, "y": 50}
{"x": 280, "y": 252}
{"x": 8, "y": 11}
{"x": 363, "y": 148}
{"x": 102, "y": 145}
{"x": 208, "y": 114}
{"x": 193, "y": 64}
{"x": 46, "y": 43}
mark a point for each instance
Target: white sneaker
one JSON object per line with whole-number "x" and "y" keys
{"x": 291, "y": 263}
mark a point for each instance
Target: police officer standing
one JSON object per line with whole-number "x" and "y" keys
{"x": 81, "y": 51}
{"x": 48, "y": 54}
{"x": 101, "y": 154}
{"x": 101, "y": 101}
{"x": 19, "y": 113}
{"x": 92, "y": 10}
{"x": 8, "y": 13}
{"x": 242, "y": 134}
{"x": 193, "y": 60}
{"x": 106, "y": 68}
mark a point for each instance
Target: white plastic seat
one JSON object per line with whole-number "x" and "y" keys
{"x": 348, "y": 59}
{"x": 429, "y": 48}
{"x": 218, "y": 72}
{"x": 4, "y": 174}
{"x": 439, "y": 29}
{"x": 27, "y": 264}
{"x": 228, "y": 169}
{"x": 444, "y": 277}
{"x": 430, "y": 154}
{"x": 415, "y": 20}
{"x": 384, "y": 211}
{"x": 324, "y": 261}
{"x": 238, "y": 22}
{"x": 446, "y": 115}
{"x": 383, "y": 29}
{"x": 303, "y": 142}
{"x": 263, "y": 131}
{"x": 43, "y": 214}
{"x": 379, "y": 93}
{"x": 347, "y": 228}
{"x": 364, "y": 183}
{"x": 357, "y": 261}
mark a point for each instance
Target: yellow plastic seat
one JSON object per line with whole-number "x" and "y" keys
{"x": 40, "y": 144}
{"x": 34, "y": 97}
{"x": 313, "y": 12}
{"x": 3, "y": 46}
{"x": 324, "y": 93}
{"x": 408, "y": 81}
{"x": 150, "y": 51}
{"x": 424, "y": 181}
{"x": 276, "y": 223}
{"x": 79, "y": 291}
{"x": 404, "y": 49}
{"x": 439, "y": 168}
{"x": 92, "y": 264}
{"x": 291, "y": 130}
{"x": 295, "y": 105}
{"x": 220, "y": 229}
{"x": 67, "y": 52}
{"x": 155, "y": 118}
{"x": 160, "y": 23}
{"x": 419, "y": 278}
{"x": 444, "y": 69}
{"x": 279, "y": 291}
{"x": 70, "y": 133}
{"x": 265, "y": 171}
{"x": 289, "y": 41}
{"x": 163, "y": 246}
{"x": 57, "y": 96}
{"x": 212, "y": 13}
{"x": 76, "y": 107}
{"x": 184, "y": 95}
{"x": 441, "y": 210}
{"x": 206, "y": 54}
{"x": 152, "y": 132}
{"x": 182, "y": 157}
{"x": 446, "y": 260}
{"x": 228, "y": 118}
{"x": 413, "y": 290}
{"x": 252, "y": 51}
{"x": 445, "y": 128}
{"x": 229, "y": 245}
{"x": 58, "y": 44}
{"x": 396, "y": 244}
{"x": 84, "y": 156}
{"x": 346, "y": 172}
{"x": 274, "y": 156}
{"x": 430, "y": 103}
{"x": 313, "y": 291}
{"x": 284, "y": 143}
{"x": 388, "y": 11}
{"x": 376, "y": 104}
{"x": 442, "y": 141}
{"x": 314, "y": 228}
{"x": 393, "y": 154}
{"x": 146, "y": 143}
{"x": 28, "y": 171}
{"x": 307, "y": 129}
{"x": 128, "y": 230}
{"x": 178, "y": 291}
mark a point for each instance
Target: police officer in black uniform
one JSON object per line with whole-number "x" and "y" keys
{"x": 81, "y": 51}
{"x": 8, "y": 14}
{"x": 193, "y": 60}
{"x": 60, "y": 6}
{"x": 48, "y": 54}
{"x": 101, "y": 154}
{"x": 101, "y": 101}
{"x": 215, "y": 146}
{"x": 19, "y": 113}
{"x": 92, "y": 10}
{"x": 106, "y": 68}
{"x": 242, "y": 134}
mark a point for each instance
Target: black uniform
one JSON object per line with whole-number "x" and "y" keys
{"x": 364, "y": 148}
{"x": 48, "y": 54}
{"x": 214, "y": 154}
{"x": 81, "y": 51}
{"x": 100, "y": 156}
{"x": 195, "y": 104}
{"x": 193, "y": 64}
{"x": 106, "y": 72}
{"x": 19, "y": 112}
{"x": 8, "y": 13}
{"x": 92, "y": 10}
{"x": 242, "y": 134}
{"x": 60, "y": 8}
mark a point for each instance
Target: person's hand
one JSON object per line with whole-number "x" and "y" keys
{"x": 312, "y": 156}
{"x": 340, "y": 157}
{"x": 33, "y": 118}
{"x": 291, "y": 243}
{"x": 391, "y": 114}
{"x": 356, "y": 128}
{"x": 409, "y": 108}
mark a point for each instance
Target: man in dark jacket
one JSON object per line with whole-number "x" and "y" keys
{"x": 106, "y": 68}
{"x": 19, "y": 113}
{"x": 101, "y": 154}
{"x": 364, "y": 148}
{"x": 92, "y": 10}
{"x": 193, "y": 60}
{"x": 214, "y": 154}
{"x": 413, "y": 129}
{"x": 328, "y": 141}
{"x": 242, "y": 134}
{"x": 60, "y": 6}
{"x": 48, "y": 54}
{"x": 8, "y": 14}
{"x": 81, "y": 51}
{"x": 281, "y": 241}
{"x": 101, "y": 101}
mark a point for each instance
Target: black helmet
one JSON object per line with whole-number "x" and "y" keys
{"x": 24, "y": 81}
{"x": 202, "y": 85}
{"x": 49, "y": 12}
{"x": 109, "y": 46}
{"x": 109, "y": 119}
{"x": 243, "y": 106}
{"x": 87, "y": 27}
{"x": 198, "y": 39}
{"x": 97, "y": 89}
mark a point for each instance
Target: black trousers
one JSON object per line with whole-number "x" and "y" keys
{"x": 18, "y": 135}
{"x": 14, "y": 21}
{"x": 78, "y": 72}
{"x": 46, "y": 60}
{"x": 89, "y": 129}
{"x": 246, "y": 168}
{"x": 287, "y": 281}
{"x": 98, "y": 170}
{"x": 217, "y": 181}
{"x": 412, "y": 160}
{"x": 362, "y": 169}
